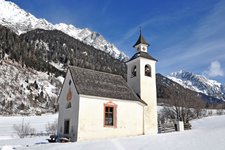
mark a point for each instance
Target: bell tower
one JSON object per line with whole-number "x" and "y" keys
{"x": 142, "y": 79}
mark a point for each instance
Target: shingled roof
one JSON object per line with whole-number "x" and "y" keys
{"x": 141, "y": 40}
{"x": 96, "y": 83}
{"x": 143, "y": 55}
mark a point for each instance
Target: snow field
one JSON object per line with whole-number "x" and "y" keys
{"x": 38, "y": 122}
{"x": 207, "y": 134}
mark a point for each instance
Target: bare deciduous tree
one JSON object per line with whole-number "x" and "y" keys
{"x": 51, "y": 128}
{"x": 24, "y": 130}
{"x": 182, "y": 106}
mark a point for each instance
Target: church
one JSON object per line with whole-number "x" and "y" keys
{"x": 99, "y": 105}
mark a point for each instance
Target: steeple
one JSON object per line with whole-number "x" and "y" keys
{"x": 141, "y": 44}
{"x": 141, "y": 77}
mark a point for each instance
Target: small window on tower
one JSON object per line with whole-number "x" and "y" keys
{"x": 148, "y": 71}
{"x": 134, "y": 72}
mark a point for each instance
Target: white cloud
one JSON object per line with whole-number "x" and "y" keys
{"x": 215, "y": 69}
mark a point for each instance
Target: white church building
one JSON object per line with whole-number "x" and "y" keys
{"x": 97, "y": 105}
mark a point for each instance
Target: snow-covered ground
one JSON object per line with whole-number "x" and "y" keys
{"x": 207, "y": 134}
{"x": 37, "y": 122}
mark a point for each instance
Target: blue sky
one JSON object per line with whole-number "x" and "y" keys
{"x": 184, "y": 34}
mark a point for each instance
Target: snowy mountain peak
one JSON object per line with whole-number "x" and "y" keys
{"x": 181, "y": 73}
{"x": 189, "y": 75}
{"x": 199, "y": 83}
{"x": 20, "y": 21}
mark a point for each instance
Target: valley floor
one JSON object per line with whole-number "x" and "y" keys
{"x": 207, "y": 134}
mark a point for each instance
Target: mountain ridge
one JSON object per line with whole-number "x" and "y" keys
{"x": 199, "y": 83}
{"x": 49, "y": 52}
{"x": 20, "y": 21}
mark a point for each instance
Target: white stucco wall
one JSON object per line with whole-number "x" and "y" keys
{"x": 146, "y": 87}
{"x": 91, "y": 118}
{"x": 68, "y": 113}
{"x": 148, "y": 94}
{"x": 134, "y": 81}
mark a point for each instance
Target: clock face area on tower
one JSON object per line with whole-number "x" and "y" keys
{"x": 144, "y": 49}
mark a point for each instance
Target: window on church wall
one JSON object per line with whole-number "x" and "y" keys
{"x": 148, "y": 71}
{"x": 110, "y": 115}
{"x": 134, "y": 72}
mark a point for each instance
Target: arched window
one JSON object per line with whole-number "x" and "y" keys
{"x": 148, "y": 70}
{"x": 134, "y": 72}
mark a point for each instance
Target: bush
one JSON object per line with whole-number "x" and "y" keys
{"x": 219, "y": 112}
{"x": 51, "y": 128}
{"x": 24, "y": 130}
